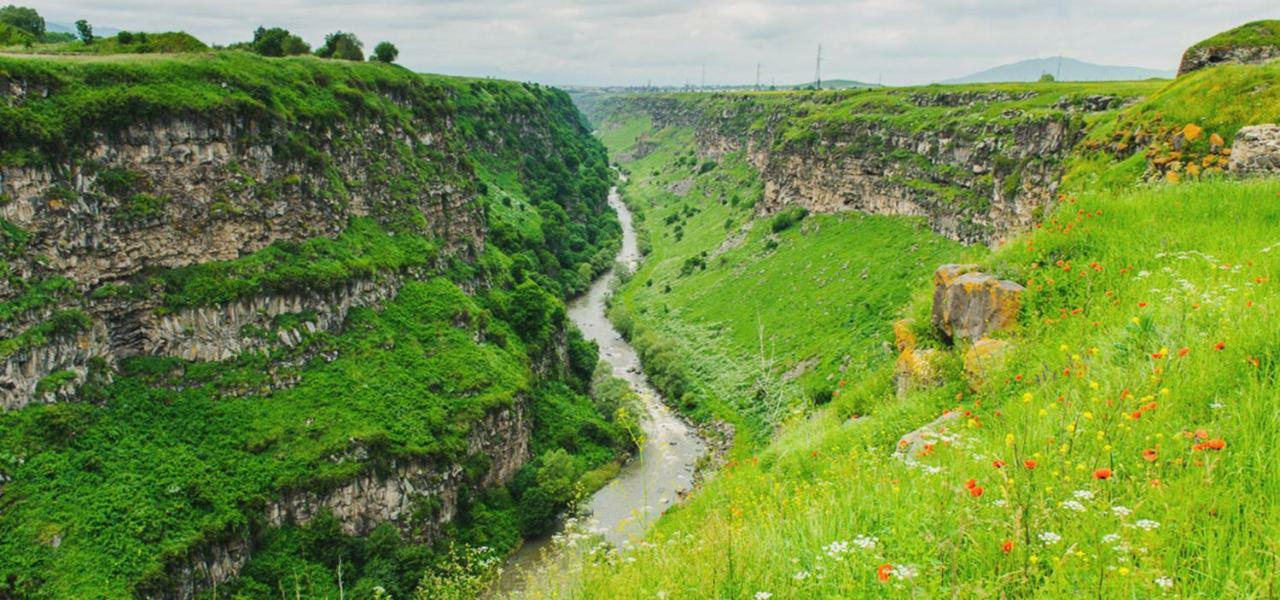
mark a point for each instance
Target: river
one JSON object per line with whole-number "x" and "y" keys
{"x": 663, "y": 468}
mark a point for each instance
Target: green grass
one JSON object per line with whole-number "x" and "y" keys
{"x": 1168, "y": 276}
{"x": 1145, "y": 325}
{"x": 103, "y": 495}
{"x": 1257, "y": 33}
{"x": 812, "y": 299}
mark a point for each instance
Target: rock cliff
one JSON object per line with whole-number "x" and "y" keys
{"x": 981, "y": 166}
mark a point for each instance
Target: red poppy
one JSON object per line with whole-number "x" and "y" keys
{"x": 1219, "y": 345}
{"x": 1030, "y": 464}
{"x": 970, "y": 484}
{"x": 1103, "y": 474}
{"x": 1217, "y": 444}
{"x": 1183, "y": 352}
{"x": 997, "y": 463}
{"x": 976, "y": 491}
{"x": 884, "y": 572}
{"x": 1150, "y": 455}
{"x": 1007, "y": 546}
{"x": 1137, "y": 414}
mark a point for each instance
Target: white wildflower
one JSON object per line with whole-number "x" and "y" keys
{"x": 1121, "y": 511}
{"x": 837, "y": 549}
{"x": 1147, "y": 524}
{"x": 865, "y": 542}
{"x": 1050, "y": 538}
{"x": 905, "y": 571}
{"x": 1110, "y": 538}
{"x": 1164, "y": 582}
{"x": 801, "y": 575}
{"x": 1083, "y": 494}
{"x": 1073, "y": 505}
{"x": 763, "y": 595}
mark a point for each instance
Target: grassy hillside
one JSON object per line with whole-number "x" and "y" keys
{"x": 1123, "y": 449}
{"x": 726, "y": 301}
{"x": 162, "y": 456}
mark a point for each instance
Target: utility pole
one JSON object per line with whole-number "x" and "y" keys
{"x": 757, "y": 77}
{"x": 702, "y": 87}
{"x": 817, "y": 68}
{"x": 1058, "y": 77}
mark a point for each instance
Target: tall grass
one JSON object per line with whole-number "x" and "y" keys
{"x": 1147, "y": 335}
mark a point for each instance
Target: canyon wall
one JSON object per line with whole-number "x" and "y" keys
{"x": 975, "y": 178}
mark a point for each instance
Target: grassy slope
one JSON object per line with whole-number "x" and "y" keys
{"x": 1152, "y": 271}
{"x": 170, "y": 453}
{"x": 809, "y": 296}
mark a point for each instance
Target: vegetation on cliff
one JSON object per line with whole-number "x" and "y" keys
{"x": 161, "y": 458}
{"x": 1120, "y": 449}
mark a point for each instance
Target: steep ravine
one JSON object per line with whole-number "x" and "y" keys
{"x": 221, "y": 322}
{"x": 662, "y": 470}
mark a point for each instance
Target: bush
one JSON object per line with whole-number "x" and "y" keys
{"x": 24, "y": 19}
{"x": 788, "y": 217}
{"x": 341, "y": 45}
{"x": 277, "y": 41}
{"x": 385, "y": 52}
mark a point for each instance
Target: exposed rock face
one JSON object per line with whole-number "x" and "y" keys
{"x": 181, "y": 191}
{"x": 1006, "y": 171}
{"x": 221, "y": 332}
{"x": 1195, "y": 59}
{"x": 417, "y": 496}
{"x": 969, "y": 305}
{"x": 1256, "y": 150}
{"x": 23, "y": 372}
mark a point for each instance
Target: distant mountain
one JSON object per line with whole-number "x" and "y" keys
{"x": 1070, "y": 69}
{"x": 97, "y": 31}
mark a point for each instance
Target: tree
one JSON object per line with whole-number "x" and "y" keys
{"x": 341, "y": 45}
{"x": 124, "y": 38}
{"x": 278, "y": 42}
{"x": 385, "y": 52}
{"x": 85, "y": 31}
{"x": 24, "y": 18}
{"x": 1047, "y": 78}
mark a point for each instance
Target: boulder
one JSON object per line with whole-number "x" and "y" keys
{"x": 1256, "y": 150}
{"x": 969, "y": 305}
{"x": 917, "y": 368}
{"x": 983, "y": 357}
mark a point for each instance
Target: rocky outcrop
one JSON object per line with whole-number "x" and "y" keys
{"x": 969, "y": 305}
{"x": 916, "y": 368}
{"x": 418, "y": 496}
{"x": 1256, "y": 150}
{"x": 221, "y": 332}
{"x": 1204, "y": 57}
{"x": 50, "y": 372}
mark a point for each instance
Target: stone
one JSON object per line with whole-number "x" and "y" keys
{"x": 968, "y": 304}
{"x": 1256, "y": 150}
{"x": 983, "y": 357}
{"x": 917, "y": 368}
{"x": 916, "y": 442}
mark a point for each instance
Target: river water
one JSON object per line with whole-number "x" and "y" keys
{"x": 663, "y": 469}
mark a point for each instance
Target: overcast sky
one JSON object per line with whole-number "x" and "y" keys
{"x": 669, "y": 41}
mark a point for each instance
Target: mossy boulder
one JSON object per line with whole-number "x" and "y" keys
{"x": 1251, "y": 43}
{"x": 969, "y": 305}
